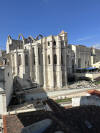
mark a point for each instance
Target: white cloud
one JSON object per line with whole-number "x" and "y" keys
{"x": 85, "y": 38}
{"x": 96, "y": 45}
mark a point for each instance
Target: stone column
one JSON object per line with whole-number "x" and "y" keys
{"x": 59, "y": 71}
{"x": 51, "y": 78}
{"x": 4, "y": 104}
{"x": 23, "y": 62}
{"x": 37, "y": 65}
{"x": 31, "y": 61}
{"x": 65, "y": 63}
{"x": 16, "y": 63}
{"x": 91, "y": 60}
{"x": 64, "y": 36}
{"x": 44, "y": 64}
{"x": 12, "y": 63}
{"x": 92, "y": 56}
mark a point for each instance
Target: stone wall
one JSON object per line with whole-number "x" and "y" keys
{"x": 49, "y": 73}
{"x": 50, "y": 60}
{"x": 6, "y": 88}
{"x": 86, "y": 100}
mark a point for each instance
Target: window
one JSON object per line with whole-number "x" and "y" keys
{"x": 48, "y": 59}
{"x": 33, "y": 57}
{"x": 26, "y": 60}
{"x": 19, "y": 60}
{"x": 8, "y": 74}
{"x": 54, "y": 43}
{"x": 39, "y": 55}
{"x": 48, "y": 43}
{"x": 61, "y": 59}
{"x": 5, "y": 61}
{"x": 85, "y": 63}
{"x": 55, "y": 59}
{"x": 67, "y": 59}
{"x": 88, "y": 63}
{"x": 73, "y": 65}
{"x": 34, "y": 61}
{"x": 79, "y": 63}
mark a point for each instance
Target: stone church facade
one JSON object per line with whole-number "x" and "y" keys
{"x": 41, "y": 59}
{"x": 48, "y": 61}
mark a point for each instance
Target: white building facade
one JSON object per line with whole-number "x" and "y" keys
{"x": 43, "y": 60}
{"x": 48, "y": 61}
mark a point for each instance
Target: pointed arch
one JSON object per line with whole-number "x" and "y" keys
{"x": 20, "y": 35}
{"x": 41, "y": 36}
{"x": 31, "y": 39}
{"x": 48, "y": 59}
{"x": 26, "y": 60}
{"x": 55, "y": 59}
{"x": 9, "y": 37}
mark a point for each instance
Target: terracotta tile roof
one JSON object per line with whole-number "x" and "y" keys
{"x": 83, "y": 119}
{"x": 5, "y": 124}
{"x": 12, "y": 124}
{"x": 15, "y": 123}
{"x": 94, "y": 92}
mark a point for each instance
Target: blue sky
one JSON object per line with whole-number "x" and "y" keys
{"x": 79, "y": 18}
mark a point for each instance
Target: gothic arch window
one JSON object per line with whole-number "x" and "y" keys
{"x": 33, "y": 57}
{"x": 19, "y": 60}
{"x": 55, "y": 59}
{"x": 79, "y": 63}
{"x": 73, "y": 65}
{"x": 85, "y": 63}
{"x": 88, "y": 63}
{"x": 39, "y": 37}
{"x": 48, "y": 43}
{"x": 39, "y": 55}
{"x": 67, "y": 59}
{"x": 26, "y": 60}
{"x": 62, "y": 60}
{"x": 19, "y": 36}
{"x": 54, "y": 43}
{"x": 48, "y": 59}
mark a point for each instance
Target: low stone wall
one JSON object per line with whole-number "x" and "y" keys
{"x": 86, "y": 100}
{"x": 91, "y": 76}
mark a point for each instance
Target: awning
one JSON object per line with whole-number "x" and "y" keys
{"x": 88, "y": 68}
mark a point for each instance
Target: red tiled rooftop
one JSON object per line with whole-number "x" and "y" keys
{"x": 83, "y": 119}
{"x": 94, "y": 92}
{"x": 12, "y": 124}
